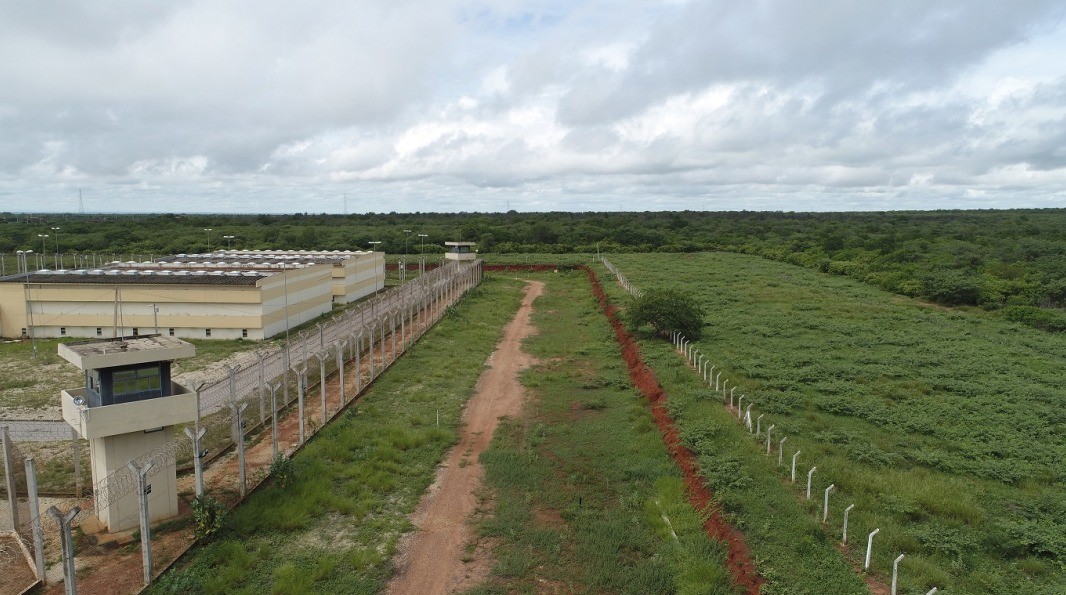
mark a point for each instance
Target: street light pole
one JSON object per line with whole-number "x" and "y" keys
{"x": 406, "y": 239}
{"x": 44, "y": 247}
{"x": 421, "y": 254}
{"x": 227, "y": 238}
{"x": 56, "y": 229}
{"x": 208, "y": 230}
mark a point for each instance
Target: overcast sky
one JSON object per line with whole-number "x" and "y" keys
{"x": 449, "y": 105}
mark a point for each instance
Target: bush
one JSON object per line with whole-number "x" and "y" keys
{"x": 283, "y": 471}
{"x": 1044, "y": 319}
{"x": 209, "y": 514}
{"x": 668, "y": 310}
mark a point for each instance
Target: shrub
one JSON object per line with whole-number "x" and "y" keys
{"x": 283, "y": 471}
{"x": 209, "y": 514}
{"x": 668, "y": 310}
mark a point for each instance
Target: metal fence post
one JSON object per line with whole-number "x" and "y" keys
{"x": 69, "y": 581}
{"x": 35, "y": 519}
{"x": 143, "y": 489}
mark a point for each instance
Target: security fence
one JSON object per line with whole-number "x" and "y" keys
{"x": 346, "y": 353}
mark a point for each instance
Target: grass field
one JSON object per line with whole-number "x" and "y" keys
{"x": 580, "y": 483}
{"x": 335, "y": 527}
{"x": 946, "y": 429}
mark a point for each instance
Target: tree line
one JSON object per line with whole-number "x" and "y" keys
{"x": 1013, "y": 261}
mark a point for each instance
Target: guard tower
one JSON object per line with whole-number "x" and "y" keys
{"x": 460, "y": 251}
{"x": 128, "y": 409}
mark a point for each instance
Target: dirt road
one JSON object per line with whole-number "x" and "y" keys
{"x": 430, "y": 559}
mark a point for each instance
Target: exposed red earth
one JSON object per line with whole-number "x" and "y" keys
{"x": 739, "y": 557}
{"x": 431, "y": 559}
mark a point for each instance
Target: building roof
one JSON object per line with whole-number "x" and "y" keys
{"x": 106, "y": 353}
{"x": 140, "y": 277}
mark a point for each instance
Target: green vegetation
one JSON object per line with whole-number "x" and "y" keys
{"x": 334, "y": 527}
{"x": 992, "y": 259}
{"x": 582, "y": 480}
{"x": 667, "y": 311}
{"x": 944, "y": 428}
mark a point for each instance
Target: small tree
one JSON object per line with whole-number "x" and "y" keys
{"x": 667, "y": 310}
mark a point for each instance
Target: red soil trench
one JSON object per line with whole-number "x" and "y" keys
{"x": 699, "y": 495}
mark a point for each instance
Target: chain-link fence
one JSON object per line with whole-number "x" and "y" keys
{"x": 273, "y": 402}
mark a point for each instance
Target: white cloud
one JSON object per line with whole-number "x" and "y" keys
{"x": 555, "y": 104}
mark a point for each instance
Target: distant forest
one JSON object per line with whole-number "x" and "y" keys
{"x": 1013, "y": 261}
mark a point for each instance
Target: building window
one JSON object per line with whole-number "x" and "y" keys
{"x": 244, "y": 333}
{"x": 63, "y": 331}
{"x": 207, "y": 332}
{"x": 135, "y": 332}
{"x": 99, "y": 331}
{"x": 138, "y": 382}
{"x": 171, "y": 332}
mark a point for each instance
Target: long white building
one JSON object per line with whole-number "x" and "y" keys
{"x": 221, "y": 295}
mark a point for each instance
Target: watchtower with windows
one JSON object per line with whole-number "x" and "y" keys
{"x": 460, "y": 251}
{"x": 127, "y": 411}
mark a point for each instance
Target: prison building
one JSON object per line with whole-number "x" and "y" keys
{"x": 354, "y": 274}
{"x": 201, "y": 297}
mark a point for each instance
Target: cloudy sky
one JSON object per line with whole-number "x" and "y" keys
{"x": 490, "y": 105}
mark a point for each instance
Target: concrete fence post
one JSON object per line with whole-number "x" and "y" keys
{"x": 758, "y": 424}
{"x": 143, "y": 489}
{"x": 895, "y": 572}
{"x": 340, "y": 368}
{"x": 262, "y": 389}
{"x": 781, "y": 451}
{"x": 731, "y": 391}
{"x": 768, "y": 431}
{"x": 810, "y": 475}
{"x": 740, "y": 408}
{"x": 35, "y": 519}
{"x": 274, "y": 415}
{"x": 301, "y": 389}
{"x": 870, "y": 547}
{"x": 197, "y": 457}
{"x": 794, "y": 465}
{"x": 321, "y": 355}
{"x": 844, "y": 537}
{"x": 238, "y": 428}
{"x": 825, "y": 505}
{"x": 716, "y": 379}
{"x": 9, "y": 476}
{"x": 67, "y": 540}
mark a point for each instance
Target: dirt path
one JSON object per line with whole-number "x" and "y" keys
{"x": 745, "y": 575}
{"x": 430, "y": 560}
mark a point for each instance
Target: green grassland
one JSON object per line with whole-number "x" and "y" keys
{"x": 580, "y": 483}
{"x": 334, "y": 528}
{"x": 946, "y": 429}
